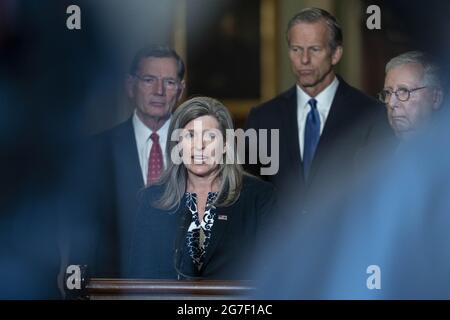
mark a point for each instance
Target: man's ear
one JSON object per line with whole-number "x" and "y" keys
{"x": 181, "y": 89}
{"x": 337, "y": 55}
{"x": 129, "y": 86}
{"x": 438, "y": 98}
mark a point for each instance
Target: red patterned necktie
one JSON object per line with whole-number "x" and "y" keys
{"x": 155, "y": 160}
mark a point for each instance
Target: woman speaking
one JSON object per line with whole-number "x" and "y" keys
{"x": 203, "y": 217}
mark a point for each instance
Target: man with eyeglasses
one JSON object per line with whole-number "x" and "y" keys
{"x": 412, "y": 92}
{"x": 154, "y": 86}
{"x": 131, "y": 156}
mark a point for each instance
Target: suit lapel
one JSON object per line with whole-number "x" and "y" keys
{"x": 290, "y": 138}
{"x": 128, "y": 178}
{"x": 336, "y": 123}
{"x": 126, "y": 157}
{"x": 218, "y": 231}
{"x": 181, "y": 255}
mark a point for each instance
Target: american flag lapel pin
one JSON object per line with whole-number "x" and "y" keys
{"x": 222, "y": 217}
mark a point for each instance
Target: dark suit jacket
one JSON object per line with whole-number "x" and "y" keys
{"x": 159, "y": 236}
{"x": 353, "y": 122}
{"x": 112, "y": 180}
{"x": 127, "y": 181}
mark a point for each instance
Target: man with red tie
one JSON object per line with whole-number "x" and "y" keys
{"x": 154, "y": 85}
{"x": 131, "y": 155}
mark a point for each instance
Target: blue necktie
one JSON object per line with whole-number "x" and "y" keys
{"x": 312, "y": 136}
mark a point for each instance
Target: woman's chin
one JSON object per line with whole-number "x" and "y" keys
{"x": 201, "y": 170}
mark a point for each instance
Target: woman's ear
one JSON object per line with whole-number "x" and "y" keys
{"x": 227, "y": 154}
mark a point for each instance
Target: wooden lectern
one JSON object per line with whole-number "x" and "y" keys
{"x": 123, "y": 289}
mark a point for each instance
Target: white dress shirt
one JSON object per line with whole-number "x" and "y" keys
{"x": 324, "y": 100}
{"x": 144, "y": 143}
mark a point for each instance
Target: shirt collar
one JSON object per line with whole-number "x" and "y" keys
{"x": 324, "y": 98}
{"x": 143, "y": 132}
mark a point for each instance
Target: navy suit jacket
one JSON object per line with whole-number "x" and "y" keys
{"x": 159, "y": 235}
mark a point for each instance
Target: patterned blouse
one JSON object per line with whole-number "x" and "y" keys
{"x": 199, "y": 232}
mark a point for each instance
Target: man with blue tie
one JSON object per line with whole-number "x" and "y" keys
{"x": 323, "y": 122}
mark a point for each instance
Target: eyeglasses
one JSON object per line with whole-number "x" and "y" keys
{"x": 402, "y": 94}
{"x": 151, "y": 81}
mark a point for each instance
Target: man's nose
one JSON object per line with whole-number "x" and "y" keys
{"x": 159, "y": 88}
{"x": 393, "y": 102}
{"x": 305, "y": 57}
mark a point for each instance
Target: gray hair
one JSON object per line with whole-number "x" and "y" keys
{"x": 174, "y": 178}
{"x": 156, "y": 51}
{"x": 311, "y": 15}
{"x": 431, "y": 75}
